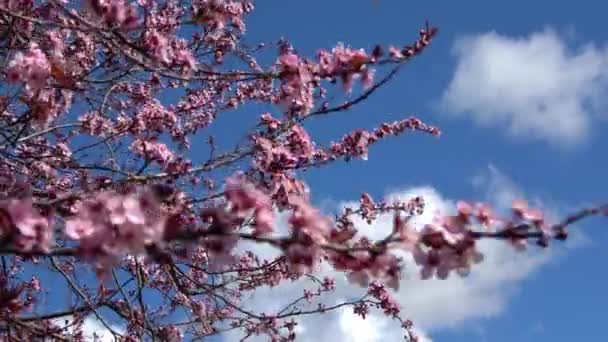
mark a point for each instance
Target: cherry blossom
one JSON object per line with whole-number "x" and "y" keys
{"x": 31, "y": 67}
{"x": 116, "y": 181}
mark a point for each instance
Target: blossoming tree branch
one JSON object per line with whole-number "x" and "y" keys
{"x": 103, "y": 200}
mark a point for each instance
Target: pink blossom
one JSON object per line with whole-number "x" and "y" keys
{"x": 303, "y": 258}
{"x": 395, "y": 52}
{"x": 264, "y": 221}
{"x": 485, "y": 216}
{"x": 186, "y": 58}
{"x": 117, "y": 224}
{"x": 521, "y": 210}
{"x": 114, "y": 12}
{"x": 464, "y": 209}
{"x": 109, "y": 159}
{"x": 153, "y": 150}
{"x": 172, "y": 333}
{"x": 308, "y": 220}
{"x": 244, "y": 198}
{"x": 271, "y": 122}
{"x": 453, "y": 224}
{"x": 368, "y": 206}
{"x": 296, "y": 92}
{"x": 159, "y": 46}
{"x": 290, "y": 62}
{"x": 29, "y": 230}
{"x": 300, "y": 144}
{"x": 31, "y": 67}
{"x": 434, "y": 262}
{"x": 368, "y": 78}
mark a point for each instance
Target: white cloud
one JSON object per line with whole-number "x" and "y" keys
{"x": 433, "y": 305}
{"x": 537, "y": 86}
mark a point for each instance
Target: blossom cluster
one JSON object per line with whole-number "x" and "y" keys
{"x": 244, "y": 198}
{"x": 111, "y": 159}
{"x": 32, "y": 68}
{"x": 112, "y": 225}
{"x": 118, "y": 13}
{"x": 25, "y": 228}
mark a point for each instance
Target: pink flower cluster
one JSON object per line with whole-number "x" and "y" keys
{"x": 386, "y": 301}
{"x": 309, "y": 230}
{"x": 111, "y": 225}
{"x": 72, "y": 203}
{"x": 347, "y": 64}
{"x": 356, "y": 144}
{"x": 245, "y": 198}
{"x": 153, "y": 150}
{"x": 368, "y": 207}
{"x": 12, "y": 186}
{"x": 286, "y": 189}
{"x": 521, "y": 210}
{"x": 295, "y": 150}
{"x": 95, "y": 124}
{"x": 153, "y": 116}
{"x": 22, "y": 226}
{"x": 169, "y": 51}
{"x": 449, "y": 244}
{"x": 409, "y": 51}
{"x": 297, "y": 84}
{"x": 116, "y": 13}
{"x": 159, "y": 46}
{"x": 48, "y": 105}
{"x": 363, "y": 266}
{"x": 217, "y": 13}
{"x": 362, "y": 261}
{"x": 31, "y": 67}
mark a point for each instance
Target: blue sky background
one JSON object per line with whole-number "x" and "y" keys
{"x": 565, "y": 300}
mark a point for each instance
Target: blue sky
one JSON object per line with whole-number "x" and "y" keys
{"x": 562, "y": 299}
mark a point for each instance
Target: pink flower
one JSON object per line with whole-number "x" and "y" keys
{"x": 79, "y": 229}
{"x": 395, "y": 52}
{"x": 521, "y": 210}
{"x": 308, "y": 220}
{"x": 271, "y": 122}
{"x": 35, "y": 284}
{"x": 244, "y": 198}
{"x": 186, "y": 58}
{"x": 296, "y": 93}
{"x": 30, "y": 230}
{"x": 159, "y": 46}
{"x": 464, "y": 209}
{"x": 453, "y": 224}
{"x": 368, "y": 206}
{"x": 299, "y": 143}
{"x": 368, "y": 78}
{"x": 289, "y": 61}
{"x": 114, "y": 224}
{"x": 264, "y": 221}
{"x": 31, "y": 67}
{"x": 153, "y": 150}
{"x": 484, "y": 215}
{"x": 434, "y": 262}
{"x": 114, "y": 12}
{"x": 303, "y": 258}
{"x": 172, "y": 333}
